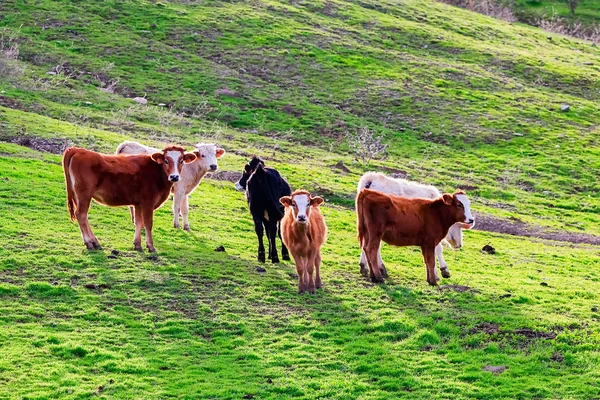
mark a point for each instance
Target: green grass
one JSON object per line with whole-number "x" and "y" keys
{"x": 464, "y": 101}
{"x": 587, "y": 11}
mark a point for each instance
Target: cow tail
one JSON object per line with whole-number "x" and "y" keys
{"x": 71, "y": 204}
{"x": 362, "y": 231}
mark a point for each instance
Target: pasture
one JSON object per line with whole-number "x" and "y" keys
{"x": 464, "y": 101}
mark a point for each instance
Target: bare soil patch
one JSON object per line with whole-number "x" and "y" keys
{"x": 519, "y": 228}
{"x": 54, "y": 146}
{"x": 230, "y": 176}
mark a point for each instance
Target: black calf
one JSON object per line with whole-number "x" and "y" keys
{"x": 264, "y": 188}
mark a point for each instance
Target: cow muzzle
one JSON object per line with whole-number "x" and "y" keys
{"x": 302, "y": 219}
{"x": 174, "y": 178}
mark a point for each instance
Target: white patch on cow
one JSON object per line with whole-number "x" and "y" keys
{"x": 302, "y": 203}
{"x": 266, "y": 215}
{"x": 175, "y": 157}
{"x": 467, "y": 205}
{"x": 455, "y": 236}
{"x": 239, "y": 187}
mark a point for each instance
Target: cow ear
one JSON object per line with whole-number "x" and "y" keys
{"x": 189, "y": 157}
{"x": 447, "y": 199}
{"x": 315, "y": 201}
{"x": 220, "y": 152}
{"x": 197, "y": 154}
{"x": 158, "y": 158}
{"x": 286, "y": 201}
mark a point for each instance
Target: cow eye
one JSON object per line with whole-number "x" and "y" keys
{"x": 166, "y": 161}
{"x": 180, "y": 161}
{"x": 294, "y": 203}
{"x": 460, "y": 205}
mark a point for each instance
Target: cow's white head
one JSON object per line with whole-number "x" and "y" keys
{"x": 460, "y": 207}
{"x": 207, "y": 155}
{"x": 172, "y": 159}
{"x": 301, "y": 202}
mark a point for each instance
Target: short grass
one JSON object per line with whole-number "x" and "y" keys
{"x": 587, "y": 11}
{"x": 194, "y": 323}
{"x": 464, "y": 101}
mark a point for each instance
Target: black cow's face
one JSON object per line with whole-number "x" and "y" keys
{"x": 247, "y": 173}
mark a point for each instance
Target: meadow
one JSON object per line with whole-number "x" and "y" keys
{"x": 464, "y": 101}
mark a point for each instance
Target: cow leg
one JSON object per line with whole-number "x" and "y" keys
{"x": 132, "y": 213}
{"x": 258, "y": 228}
{"x": 302, "y": 274}
{"x": 285, "y": 255}
{"x": 429, "y": 257}
{"x": 147, "y": 216}
{"x": 439, "y": 249}
{"x": 371, "y": 249}
{"x": 318, "y": 283}
{"x": 177, "y": 199}
{"x": 363, "y": 263}
{"x": 310, "y": 269}
{"x": 89, "y": 239}
{"x": 382, "y": 267}
{"x": 185, "y": 207}
{"x": 139, "y": 223}
{"x": 272, "y": 233}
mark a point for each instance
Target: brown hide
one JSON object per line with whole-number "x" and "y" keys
{"x": 402, "y": 221}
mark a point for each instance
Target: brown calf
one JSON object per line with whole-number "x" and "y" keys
{"x": 142, "y": 181}
{"x": 303, "y": 232}
{"x": 402, "y": 221}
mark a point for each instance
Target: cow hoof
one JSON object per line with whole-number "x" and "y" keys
{"x": 261, "y": 258}
{"x": 137, "y": 247}
{"x": 285, "y": 257}
{"x": 97, "y": 246}
{"x": 376, "y": 279}
{"x": 318, "y": 285}
{"x": 176, "y": 225}
{"x": 151, "y": 249}
{"x": 434, "y": 283}
{"x": 445, "y": 272}
{"x": 89, "y": 245}
{"x": 186, "y": 228}
{"x": 384, "y": 272}
{"x": 363, "y": 269}
{"x": 275, "y": 260}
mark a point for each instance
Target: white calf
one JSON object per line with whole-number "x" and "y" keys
{"x": 191, "y": 174}
{"x": 402, "y": 187}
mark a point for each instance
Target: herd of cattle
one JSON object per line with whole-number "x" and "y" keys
{"x": 394, "y": 211}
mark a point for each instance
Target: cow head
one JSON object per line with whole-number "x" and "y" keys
{"x": 460, "y": 208}
{"x": 207, "y": 154}
{"x": 172, "y": 159}
{"x": 301, "y": 202}
{"x": 247, "y": 172}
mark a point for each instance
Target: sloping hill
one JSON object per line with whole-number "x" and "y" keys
{"x": 464, "y": 101}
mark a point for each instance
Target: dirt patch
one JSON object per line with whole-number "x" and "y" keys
{"x": 230, "y": 176}
{"x": 519, "y": 228}
{"x": 10, "y": 103}
{"x": 486, "y": 327}
{"x": 340, "y": 165}
{"x": 396, "y": 173}
{"x": 54, "y": 146}
{"x": 457, "y": 288}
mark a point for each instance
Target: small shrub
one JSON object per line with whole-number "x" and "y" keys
{"x": 365, "y": 145}
{"x": 10, "y": 67}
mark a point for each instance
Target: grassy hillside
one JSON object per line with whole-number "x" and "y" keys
{"x": 587, "y": 11}
{"x": 462, "y": 99}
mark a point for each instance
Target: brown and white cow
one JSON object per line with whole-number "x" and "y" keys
{"x": 402, "y": 187}
{"x": 402, "y": 221}
{"x": 191, "y": 174}
{"x": 304, "y": 232}
{"x": 141, "y": 181}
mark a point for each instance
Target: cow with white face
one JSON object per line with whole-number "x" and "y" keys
{"x": 190, "y": 178}
{"x": 402, "y": 187}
